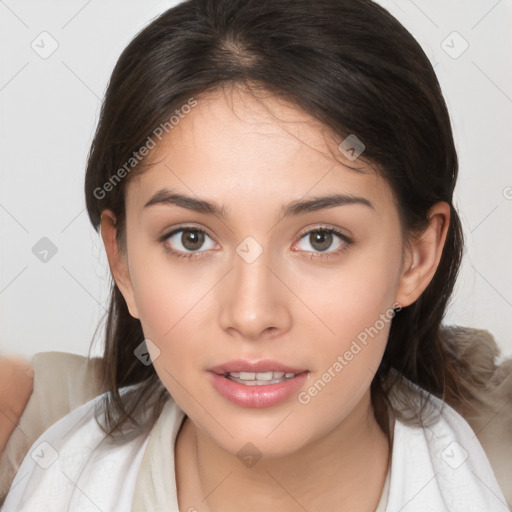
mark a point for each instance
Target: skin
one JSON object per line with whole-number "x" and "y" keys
{"x": 16, "y": 385}
{"x": 253, "y": 155}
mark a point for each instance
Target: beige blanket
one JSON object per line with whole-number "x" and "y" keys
{"x": 62, "y": 381}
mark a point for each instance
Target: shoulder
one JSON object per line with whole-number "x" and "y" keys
{"x": 487, "y": 406}
{"x": 440, "y": 465}
{"x": 61, "y": 382}
{"x": 75, "y": 465}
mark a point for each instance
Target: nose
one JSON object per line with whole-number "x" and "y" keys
{"x": 253, "y": 300}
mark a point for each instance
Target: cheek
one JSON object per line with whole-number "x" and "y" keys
{"x": 167, "y": 294}
{"x": 174, "y": 313}
{"x": 345, "y": 363}
{"x": 356, "y": 307}
{"x": 352, "y": 297}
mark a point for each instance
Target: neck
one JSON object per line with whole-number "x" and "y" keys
{"x": 343, "y": 471}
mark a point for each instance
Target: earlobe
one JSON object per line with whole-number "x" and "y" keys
{"x": 423, "y": 255}
{"x": 117, "y": 260}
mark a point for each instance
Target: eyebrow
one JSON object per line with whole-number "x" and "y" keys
{"x": 294, "y": 208}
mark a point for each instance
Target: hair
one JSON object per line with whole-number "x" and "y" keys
{"x": 349, "y": 64}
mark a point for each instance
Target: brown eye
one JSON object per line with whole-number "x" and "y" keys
{"x": 187, "y": 240}
{"x": 329, "y": 241}
{"x": 320, "y": 240}
{"x": 192, "y": 239}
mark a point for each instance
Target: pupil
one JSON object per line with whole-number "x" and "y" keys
{"x": 194, "y": 237}
{"x": 324, "y": 238}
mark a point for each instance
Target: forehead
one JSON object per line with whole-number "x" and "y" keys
{"x": 240, "y": 144}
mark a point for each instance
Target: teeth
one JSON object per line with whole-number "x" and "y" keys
{"x": 259, "y": 378}
{"x": 261, "y": 375}
{"x": 264, "y": 376}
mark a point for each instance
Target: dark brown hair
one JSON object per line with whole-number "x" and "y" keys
{"x": 349, "y": 64}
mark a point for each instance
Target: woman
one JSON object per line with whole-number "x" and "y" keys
{"x": 304, "y": 151}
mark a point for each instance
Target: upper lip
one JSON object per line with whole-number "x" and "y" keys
{"x": 264, "y": 365}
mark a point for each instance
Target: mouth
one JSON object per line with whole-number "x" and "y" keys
{"x": 256, "y": 373}
{"x": 257, "y": 384}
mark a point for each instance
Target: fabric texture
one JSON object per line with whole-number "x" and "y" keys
{"x": 62, "y": 382}
{"x": 74, "y": 466}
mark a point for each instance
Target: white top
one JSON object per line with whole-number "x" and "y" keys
{"x": 73, "y": 466}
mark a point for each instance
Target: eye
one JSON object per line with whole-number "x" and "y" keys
{"x": 322, "y": 238}
{"x": 187, "y": 240}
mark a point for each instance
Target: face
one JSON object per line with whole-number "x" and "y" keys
{"x": 307, "y": 291}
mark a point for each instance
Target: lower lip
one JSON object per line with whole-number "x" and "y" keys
{"x": 257, "y": 396}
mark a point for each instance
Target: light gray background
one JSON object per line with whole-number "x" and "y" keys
{"x": 50, "y": 106}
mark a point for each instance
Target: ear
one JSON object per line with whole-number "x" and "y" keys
{"x": 423, "y": 255}
{"x": 117, "y": 260}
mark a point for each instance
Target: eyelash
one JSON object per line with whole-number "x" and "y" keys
{"x": 310, "y": 255}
